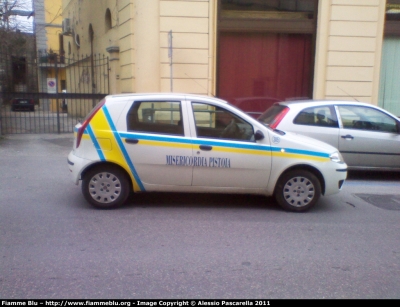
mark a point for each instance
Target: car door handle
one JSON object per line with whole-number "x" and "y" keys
{"x": 131, "y": 141}
{"x": 205, "y": 147}
{"x": 347, "y": 137}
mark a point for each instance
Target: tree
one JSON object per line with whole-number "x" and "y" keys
{"x": 12, "y": 26}
{"x": 17, "y": 40}
{"x": 11, "y": 12}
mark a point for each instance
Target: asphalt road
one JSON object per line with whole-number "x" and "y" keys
{"x": 54, "y": 245}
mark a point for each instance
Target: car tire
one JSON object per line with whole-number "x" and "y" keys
{"x": 105, "y": 186}
{"x": 297, "y": 190}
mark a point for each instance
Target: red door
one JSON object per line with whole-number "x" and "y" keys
{"x": 255, "y": 70}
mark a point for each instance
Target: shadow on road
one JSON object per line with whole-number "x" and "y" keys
{"x": 201, "y": 200}
{"x": 373, "y": 175}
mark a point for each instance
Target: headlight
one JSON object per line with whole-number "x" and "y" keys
{"x": 336, "y": 157}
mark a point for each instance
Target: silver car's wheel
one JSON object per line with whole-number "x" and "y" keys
{"x": 105, "y": 187}
{"x": 298, "y": 190}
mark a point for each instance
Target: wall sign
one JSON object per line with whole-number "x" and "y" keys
{"x": 51, "y": 85}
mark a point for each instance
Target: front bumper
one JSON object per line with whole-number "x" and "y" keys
{"x": 334, "y": 180}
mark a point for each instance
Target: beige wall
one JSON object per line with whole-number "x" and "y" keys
{"x": 82, "y": 14}
{"x": 143, "y": 41}
{"x": 53, "y": 21}
{"x": 140, "y": 30}
{"x": 193, "y": 27}
{"x": 348, "y": 54}
{"x": 348, "y": 47}
{"x": 124, "y": 38}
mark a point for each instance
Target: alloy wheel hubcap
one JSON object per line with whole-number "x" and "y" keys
{"x": 105, "y": 187}
{"x": 299, "y": 191}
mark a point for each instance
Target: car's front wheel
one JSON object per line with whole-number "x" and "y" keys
{"x": 297, "y": 190}
{"x": 105, "y": 186}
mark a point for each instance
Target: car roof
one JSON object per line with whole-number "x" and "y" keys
{"x": 178, "y": 96}
{"x": 312, "y": 102}
{"x": 297, "y": 104}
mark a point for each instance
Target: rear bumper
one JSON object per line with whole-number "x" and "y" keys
{"x": 76, "y": 166}
{"x": 23, "y": 107}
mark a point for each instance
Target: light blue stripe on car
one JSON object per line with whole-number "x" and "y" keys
{"x": 122, "y": 148}
{"x": 96, "y": 144}
{"x": 229, "y": 144}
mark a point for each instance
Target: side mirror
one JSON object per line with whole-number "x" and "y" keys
{"x": 259, "y": 135}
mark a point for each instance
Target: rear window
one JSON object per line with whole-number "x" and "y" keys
{"x": 269, "y": 116}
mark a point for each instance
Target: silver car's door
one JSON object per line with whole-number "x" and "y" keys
{"x": 368, "y": 137}
{"x": 319, "y": 122}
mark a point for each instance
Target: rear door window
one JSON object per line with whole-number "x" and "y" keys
{"x": 164, "y": 117}
{"x": 321, "y": 116}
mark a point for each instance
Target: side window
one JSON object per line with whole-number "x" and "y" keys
{"x": 216, "y": 122}
{"x": 364, "y": 118}
{"x": 163, "y": 117}
{"x": 324, "y": 116}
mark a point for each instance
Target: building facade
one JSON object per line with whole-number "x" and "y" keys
{"x": 49, "y": 49}
{"x": 48, "y": 26}
{"x": 244, "y": 49}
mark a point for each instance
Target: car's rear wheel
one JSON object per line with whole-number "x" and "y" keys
{"x": 297, "y": 190}
{"x": 105, "y": 186}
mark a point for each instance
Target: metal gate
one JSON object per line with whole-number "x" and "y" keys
{"x": 49, "y": 93}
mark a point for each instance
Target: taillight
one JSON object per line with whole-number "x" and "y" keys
{"x": 87, "y": 120}
{"x": 31, "y": 101}
{"x": 278, "y": 118}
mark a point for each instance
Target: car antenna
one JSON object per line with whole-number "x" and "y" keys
{"x": 348, "y": 94}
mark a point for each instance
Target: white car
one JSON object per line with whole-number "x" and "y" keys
{"x": 191, "y": 143}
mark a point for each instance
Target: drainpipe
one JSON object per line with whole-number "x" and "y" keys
{"x": 113, "y": 73}
{"x": 147, "y": 45}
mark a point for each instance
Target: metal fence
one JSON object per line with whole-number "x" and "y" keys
{"x": 63, "y": 90}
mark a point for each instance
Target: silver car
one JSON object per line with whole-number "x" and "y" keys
{"x": 367, "y": 136}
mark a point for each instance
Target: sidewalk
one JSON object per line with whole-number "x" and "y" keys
{"x": 35, "y": 144}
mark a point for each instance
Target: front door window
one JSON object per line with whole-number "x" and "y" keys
{"x": 225, "y": 150}
{"x": 215, "y": 122}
